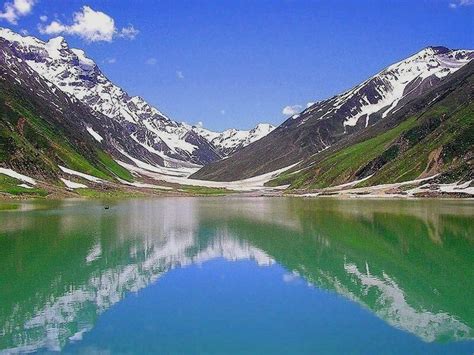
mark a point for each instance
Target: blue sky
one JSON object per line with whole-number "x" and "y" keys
{"x": 237, "y": 63}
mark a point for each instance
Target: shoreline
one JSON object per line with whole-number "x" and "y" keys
{"x": 151, "y": 186}
{"x": 340, "y": 195}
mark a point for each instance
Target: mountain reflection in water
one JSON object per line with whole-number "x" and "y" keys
{"x": 65, "y": 263}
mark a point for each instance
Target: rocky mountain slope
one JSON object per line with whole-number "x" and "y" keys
{"x": 432, "y": 137}
{"x": 344, "y": 117}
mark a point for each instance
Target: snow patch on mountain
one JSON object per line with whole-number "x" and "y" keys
{"x": 438, "y": 62}
{"x": 396, "y": 79}
{"x": 256, "y": 183}
{"x": 94, "y": 134}
{"x": 78, "y": 173}
{"x": 16, "y": 175}
{"x": 73, "y": 185}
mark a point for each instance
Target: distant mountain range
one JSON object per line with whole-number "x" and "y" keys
{"x": 58, "y": 111}
{"x": 231, "y": 140}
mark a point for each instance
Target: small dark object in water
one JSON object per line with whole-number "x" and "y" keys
{"x": 106, "y": 207}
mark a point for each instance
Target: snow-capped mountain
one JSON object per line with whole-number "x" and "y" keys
{"x": 78, "y": 76}
{"x": 327, "y": 122}
{"x": 386, "y": 91}
{"x": 231, "y": 140}
{"x": 168, "y": 143}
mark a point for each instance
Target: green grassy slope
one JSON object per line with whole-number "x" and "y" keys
{"x": 31, "y": 142}
{"x": 11, "y": 186}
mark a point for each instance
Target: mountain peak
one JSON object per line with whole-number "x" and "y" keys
{"x": 12, "y": 36}
{"x": 230, "y": 140}
{"x": 439, "y": 52}
{"x": 54, "y": 47}
{"x": 263, "y": 125}
{"x": 262, "y": 129}
{"x": 58, "y": 42}
{"x": 432, "y": 51}
{"x": 399, "y": 82}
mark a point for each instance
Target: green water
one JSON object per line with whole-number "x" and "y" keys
{"x": 237, "y": 275}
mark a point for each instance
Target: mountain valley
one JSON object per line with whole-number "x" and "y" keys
{"x": 65, "y": 124}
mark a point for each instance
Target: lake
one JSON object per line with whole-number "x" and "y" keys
{"x": 237, "y": 275}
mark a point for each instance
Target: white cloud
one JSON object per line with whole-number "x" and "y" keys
{"x": 179, "y": 74}
{"x": 291, "y": 110}
{"x": 458, "y": 3}
{"x": 151, "y": 61}
{"x": 23, "y": 7}
{"x": 129, "y": 32}
{"x": 9, "y": 14}
{"x": 111, "y": 60}
{"x": 24, "y": 32}
{"x": 43, "y": 18}
{"x": 90, "y": 25}
{"x": 13, "y": 10}
{"x": 54, "y": 27}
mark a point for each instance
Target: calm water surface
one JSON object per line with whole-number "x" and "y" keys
{"x": 237, "y": 275}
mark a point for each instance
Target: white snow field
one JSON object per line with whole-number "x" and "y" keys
{"x": 251, "y": 184}
{"x": 78, "y": 173}
{"x": 94, "y": 134}
{"x": 73, "y": 185}
{"x": 18, "y": 176}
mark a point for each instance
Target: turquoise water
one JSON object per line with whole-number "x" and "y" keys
{"x": 238, "y": 275}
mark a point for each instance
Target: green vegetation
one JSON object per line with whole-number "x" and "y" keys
{"x": 114, "y": 167}
{"x": 341, "y": 165}
{"x": 28, "y": 138}
{"x": 338, "y": 167}
{"x": 202, "y": 190}
{"x": 457, "y": 133}
{"x": 109, "y": 194}
{"x": 62, "y": 148}
{"x": 10, "y": 186}
{"x": 439, "y": 139}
